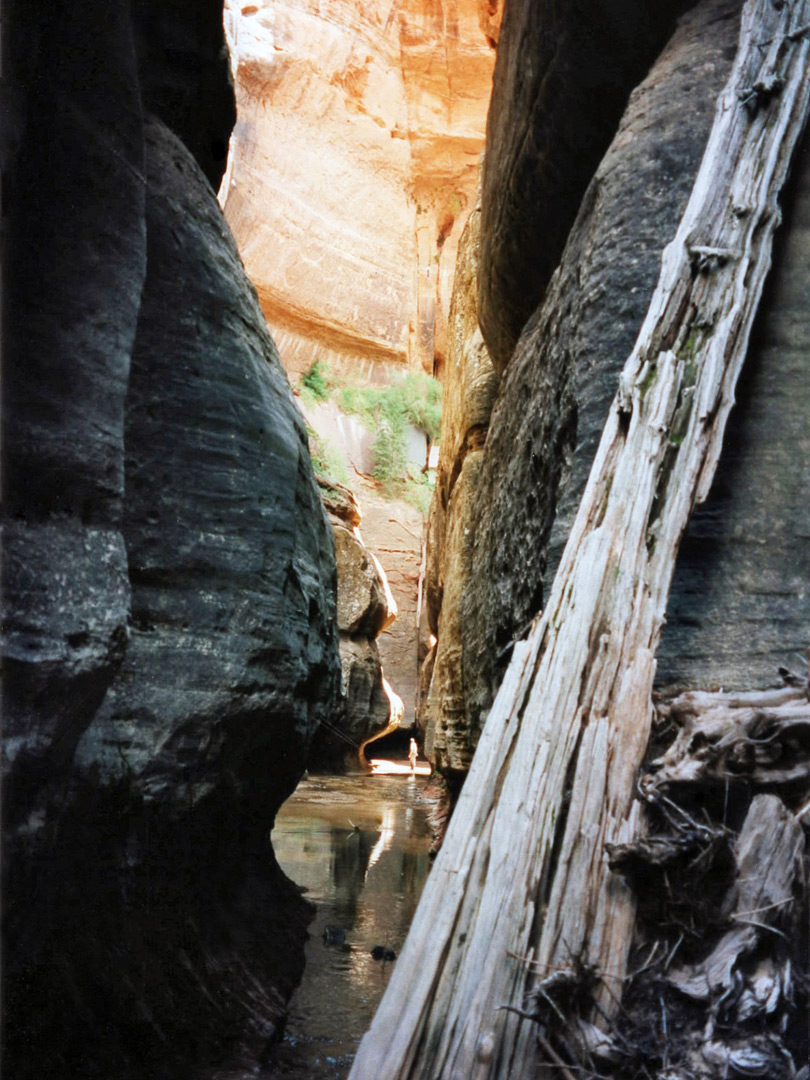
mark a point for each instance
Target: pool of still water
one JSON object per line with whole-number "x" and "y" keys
{"x": 359, "y": 845}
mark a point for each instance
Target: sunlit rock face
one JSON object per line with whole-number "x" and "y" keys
{"x": 352, "y": 169}
{"x": 365, "y": 608}
{"x": 470, "y": 386}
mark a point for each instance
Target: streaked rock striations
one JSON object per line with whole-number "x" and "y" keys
{"x": 740, "y": 600}
{"x": 168, "y": 570}
{"x": 226, "y": 540}
{"x": 739, "y": 604}
{"x": 563, "y": 75}
{"x": 563, "y": 375}
{"x": 352, "y": 169}
{"x": 470, "y": 387}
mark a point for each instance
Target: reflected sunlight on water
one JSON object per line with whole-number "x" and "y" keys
{"x": 359, "y": 845}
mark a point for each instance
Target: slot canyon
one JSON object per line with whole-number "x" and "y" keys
{"x": 419, "y": 377}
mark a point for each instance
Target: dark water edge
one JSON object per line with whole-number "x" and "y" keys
{"x": 359, "y": 846}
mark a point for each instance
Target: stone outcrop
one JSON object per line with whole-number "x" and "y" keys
{"x": 365, "y": 603}
{"x": 168, "y": 570}
{"x": 739, "y": 604}
{"x": 394, "y": 531}
{"x": 352, "y": 169}
{"x": 365, "y": 608}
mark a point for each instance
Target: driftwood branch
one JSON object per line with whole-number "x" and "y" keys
{"x": 763, "y": 737}
{"x": 739, "y": 991}
{"x": 522, "y": 872}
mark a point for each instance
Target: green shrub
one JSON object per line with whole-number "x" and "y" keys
{"x": 422, "y": 402}
{"x": 416, "y": 399}
{"x": 417, "y": 490}
{"x": 386, "y": 411}
{"x": 390, "y": 463}
{"x": 317, "y": 384}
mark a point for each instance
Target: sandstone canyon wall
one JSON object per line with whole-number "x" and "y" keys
{"x": 470, "y": 389}
{"x": 739, "y": 605}
{"x": 352, "y": 169}
{"x": 365, "y": 608}
{"x": 168, "y": 570}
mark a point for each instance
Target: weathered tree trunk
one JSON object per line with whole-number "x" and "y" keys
{"x": 522, "y": 889}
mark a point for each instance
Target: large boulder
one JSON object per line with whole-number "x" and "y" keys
{"x": 168, "y": 576}
{"x": 365, "y": 608}
{"x": 365, "y": 605}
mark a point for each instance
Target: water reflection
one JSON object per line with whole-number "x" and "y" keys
{"x": 360, "y": 846}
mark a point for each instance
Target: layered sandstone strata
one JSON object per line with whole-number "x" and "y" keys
{"x": 739, "y": 605}
{"x": 352, "y": 170}
{"x": 471, "y": 384}
{"x": 168, "y": 570}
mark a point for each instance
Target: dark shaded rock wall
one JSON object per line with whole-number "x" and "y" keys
{"x": 79, "y": 191}
{"x": 559, "y": 384}
{"x": 230, "y": 665}
{"x": 740, "y": 605}
{"x": 563, "y": 74}
{"x": 740, "y": 599}
{"x": 168, "y": 578}
{"x": 185, "y": 75}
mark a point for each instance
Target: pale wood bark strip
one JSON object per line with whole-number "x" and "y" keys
{"x": 520, "y": 878}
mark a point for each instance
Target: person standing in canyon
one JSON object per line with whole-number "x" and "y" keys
{"x": 413, "y": 754}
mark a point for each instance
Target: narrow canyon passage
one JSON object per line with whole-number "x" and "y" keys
{"x": 359, "y": 847}
{"x": 422, "y": 380}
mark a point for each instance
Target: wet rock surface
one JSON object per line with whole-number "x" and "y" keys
{"x": 360, "y": 846}
{"x": 168, "y": 577}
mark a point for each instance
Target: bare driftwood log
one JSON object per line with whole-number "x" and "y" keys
{"x": 521, "y": 890}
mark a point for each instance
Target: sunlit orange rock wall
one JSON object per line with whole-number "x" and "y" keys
{"x": 353, "y": 167}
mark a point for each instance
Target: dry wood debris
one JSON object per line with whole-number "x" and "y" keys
{"x": 521, "y": 889}
{"x": 719, "y": 986}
